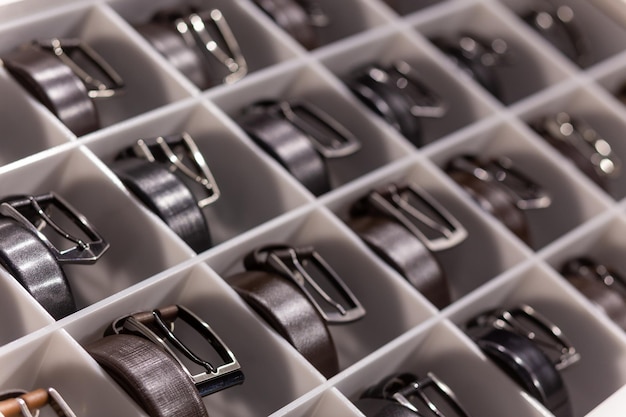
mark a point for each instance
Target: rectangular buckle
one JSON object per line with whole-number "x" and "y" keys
{"x": 34, "y": 400}
{"x": 157, "y": 326}
{"x": 549, "y": 338}
{"x": 413, "y": 207}
{"x": 96, "y": 88}
{"x": 418, "y": 388}
{"x": 184, "y": 155}
{"x": 330, "y": 138}
{"x": 304, "y": 266}
{"x": 194, "y": 30}
{"x": 30, "y": 212}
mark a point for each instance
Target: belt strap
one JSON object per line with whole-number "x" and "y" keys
{"x": 22, "y": 403}
{"x": 292, "y": 17}
{"x": 149, "y": 375}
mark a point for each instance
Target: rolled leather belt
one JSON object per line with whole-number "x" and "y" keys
{"x": 27, "y": 404}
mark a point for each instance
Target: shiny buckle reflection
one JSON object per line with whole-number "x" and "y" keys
{"x": 585, "y": 267}
{"x": 24, "y": 404}
{"x": 68, "y": 50}
{"x": 305, "y": 266}
{"x": 157, "y": 326}
{"x": 32, "y": 213}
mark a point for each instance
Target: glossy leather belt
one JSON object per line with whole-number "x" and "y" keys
{"x": 500, "y": 190}
{"x": 530, "y": 349}
{"x": 200, "y": 44}
{"x": 405, "y": 226}
{"x": 139, "y": 352}
{"x": 577, "y": 141}
{"x": 603, "y": 286}
{"x": 282, "y": 285}
{"x": 477, "y": 57}
{"x": 299, "y": 18}
{"x": 26, "y": 225}
{"x": 166, "y": 173}
{"x": 396, "y": 93}
{"x": 27, "y": 404}
{"x": 65, "y": 75}
{"x": 406, "y": 395}
{"x": 300, "y": 137}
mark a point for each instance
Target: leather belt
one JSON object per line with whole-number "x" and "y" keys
{"x": 417, "y": 396}
{"x": 390, "y": 221}
{"x": 280, "y": 288}
{"x": 477, "y": 57}
{"x": 138, "y": 351}
{"x": 161, "y": 172}
{"x": 500, "y": 190}
{"x": 28, "y": 255}
{"x": 300, "y": 137}
{"x": 199, "y": 44}
{"x": 396, "y": 93}
{"x": 600, "y": 284}
{"x": 65, "y": 76}
{"x": 299, "y": 18}
{"x": 26, "y": 404}
{"x": 531, "y": 350}
{"x": 576, "y": 140}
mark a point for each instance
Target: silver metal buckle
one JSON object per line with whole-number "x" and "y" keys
{"x": 36, "y": 400}
{"x": 215, "y": 378}
{"x": 549, "y": 338}
{"x": 193, "y": 29}
{"x": 96, "y": 88}
{"x": 587, "y": 268}
{"x": 417, "y": 389}
{"x": 586, "y": 141}
{"x": 30, "y": 212}
{"x": 183, "y": 155}
{"x": 293, "y": 264}
{"x": 330, "y": 138}
{"x": 413, "y": 207}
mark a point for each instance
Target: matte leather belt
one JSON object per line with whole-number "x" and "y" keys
{"x": 531, "y": 350}
{"x": 477, "y": 57}
{"x": 500, "y": 190}
{"x": 576, "y": 140}
{"x": 422, "y": 397}
{"x": 200, "y": 44}
{"x": 396, "y": 93}
{"x": 405, "y": 226}
{"x": 27, "y": 404}
{"x": 603, "y": 286}
{"x": 139, "y": 352}
{"x": 161, "y": 173}
{"x": 300, "y": 137}
{"x": 65, "y": 75}
{"x": 33, "y": 260}
{"x": 282, "y": 285}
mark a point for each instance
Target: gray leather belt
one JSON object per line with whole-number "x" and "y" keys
{"x": 27, "y": 404}
{"x": 28, "y": 255}
{"x": 56, "y": 72}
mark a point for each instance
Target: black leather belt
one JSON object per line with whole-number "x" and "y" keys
{"x": 27, "y": 404}
{"x": 396, "y": 93}
{"x": 390, "y": 221}
{"x": 200, "y": 44}
{"x": 477, "y": 57}
{"x": 33, "y": 260}
{"x": 138, "y": 351}
{"x": 161, "y": 172}
{"x": 279, "y": 286}
{"x": 300, "y": 137}
{"x": 602, "y": 285}
{"x": 65, "y": 75}
{"x": 500, "y": 190}
{"x": 531, "y": 350}
{"x": 576, "y": 140}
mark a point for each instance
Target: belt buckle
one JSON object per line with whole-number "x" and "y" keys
{"x": 215, "y": 378}
{"x": 292, "y": 263}
{"x": 37, "y": 399}
{"x": 330, "y": 138}
{"x": 525, "y": 321}
{"x": 585, "y": 267}
{"x": 184, "y": 155}
{"x": 193, "y": 29}
{"x": 412, "y": 206}
{"x": 95, "y": 86}
{"x": 30, "y": 212}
